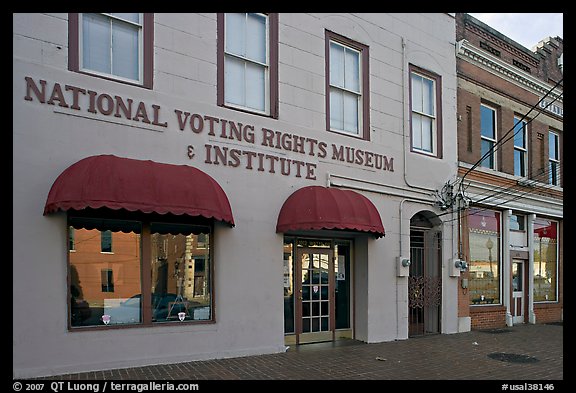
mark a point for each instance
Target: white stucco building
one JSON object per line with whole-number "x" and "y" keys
{"x": 196, "y": 186}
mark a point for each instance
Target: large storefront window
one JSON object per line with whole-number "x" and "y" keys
{"x": 108, "y": 287}
{"x": 545, "y": 260}
{"x": 484, "y": 239}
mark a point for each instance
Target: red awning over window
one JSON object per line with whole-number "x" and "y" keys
{"x": 137, "y": 185}
{"x": 316, "y": 207}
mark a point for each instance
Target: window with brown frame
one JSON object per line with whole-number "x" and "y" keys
{"x": 347, "y": 86}
{"x": 248, "y": 62}
{"x": 113, "y": 289}
{"x": 115, "y": 46}
{"x": 425, "y": 112}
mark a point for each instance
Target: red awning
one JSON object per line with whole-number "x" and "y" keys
{"x": 137, "y": 185}
{"x": 316, "y": 207}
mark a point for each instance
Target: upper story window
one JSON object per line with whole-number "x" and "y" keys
{"x": 116, "y": 46}
{"x": 248, "y": 62}
{"x": 424, "y": 107}
{"x": 347, "y": 104}
{"x": 553, "y": 158}
{"x": 106, "y": 241}
{"x": 520, "y": 148}
{"x": 488, "y": 136}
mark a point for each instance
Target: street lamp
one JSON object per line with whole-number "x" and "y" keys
{"x": 489, "y": 245}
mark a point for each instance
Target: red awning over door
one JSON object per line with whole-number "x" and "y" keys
{"x": 138, "y": 185}
{"x": 316, "y": 207}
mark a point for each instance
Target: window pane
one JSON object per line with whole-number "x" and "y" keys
{"x": 417, "y": 131}
{"x": 105, "y": 287}
{"x": 350, "y": 112}
{"x": 553, "y": 173}
{"x": 484, "y": 271}
{"x": 96, "y": 43}
{"x": 336, "y": 109}
{"x": 289, "y": 288}
{"x": 336, "y": 65}
{"x": 519, "y": 135}
{"x": 427, "y": 133}
{"x": 132, "y": 17}
{"x": 417, "y": 93}
{"x": 180, "y": 273}
{"x": 486, "y": 146}
{"x": 428, "y": 96}
{"x": 256, "y": 38}
{"x": 352, "y": 70}
{"x": 256, "y": 86}
{"x": 234, "y": 80}
{"x": 553, "y": 145}
{"x": 106, "y": 241}
{"x": 516, "y": 222}
{"x": 487, "y": 122}
{"x": 236, "y": 34}
{"x": 545, "y": 260}
{"x": 519, "y": 163}
{"x": 125, "y": 50}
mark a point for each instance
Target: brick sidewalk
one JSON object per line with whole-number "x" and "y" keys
{"x": 526, "y": 352}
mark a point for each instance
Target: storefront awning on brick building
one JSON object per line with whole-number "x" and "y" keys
{"x": 317, "y": 207}
{"x": 138, "y": 185}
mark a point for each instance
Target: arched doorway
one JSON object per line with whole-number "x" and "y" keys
{"x": 425, "y": 279}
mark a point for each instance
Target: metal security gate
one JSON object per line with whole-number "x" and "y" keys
{"x": 424, "y": 282}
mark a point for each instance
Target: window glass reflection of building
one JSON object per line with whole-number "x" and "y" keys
{"x": 180, "y": 272}
{"x": 488, "y": 136}
{"x": 516, "y": 222}
{"x": 485, "y": 260}
{"x": 106, "y": 286}
{"x": 545, "y": 260}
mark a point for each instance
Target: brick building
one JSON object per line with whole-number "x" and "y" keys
{"x": 510, "y": 132}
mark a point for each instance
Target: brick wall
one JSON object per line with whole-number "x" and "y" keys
{"x": 548, "y": 313}
{"x": 488, "y": 317}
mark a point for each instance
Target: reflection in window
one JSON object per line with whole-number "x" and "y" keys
{"x": 106, "y": 241}
{"x": 288, "y": 286}
{"x": 516, "y": 222}
{"x": 488, "y": 136}
{"x": 180, "y": 272}
{"x": 109, "y": 283}
{"x": 520, "y": 148}
{"x": 106, "y": 288}
{"x": 484, "y": 240}
{"x": 553, "y": 159}
{"x": 545, "y": 260}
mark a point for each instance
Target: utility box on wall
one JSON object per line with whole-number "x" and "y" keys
{"x": 403, "y": 266}
{"x": 457, "y": 266}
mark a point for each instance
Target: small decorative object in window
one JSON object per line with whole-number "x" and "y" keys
{"x": 106, "y": 319}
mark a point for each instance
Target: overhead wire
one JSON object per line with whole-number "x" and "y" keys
{"x": 506, "y": 136}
